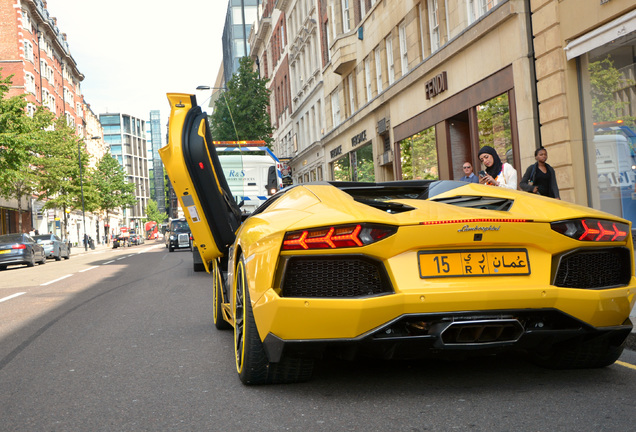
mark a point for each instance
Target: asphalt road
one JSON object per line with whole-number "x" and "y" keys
{"x": 122, "y": 340}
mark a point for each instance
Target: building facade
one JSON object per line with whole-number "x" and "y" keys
{"x": 126, "y": 136}
{"x": 35, "y": 51}
{"x": 240, "y": 16}
{"x": 586, "y": 73}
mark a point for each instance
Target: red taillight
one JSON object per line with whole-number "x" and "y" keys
{"x": 597, "y": 230}
{"x": 335, "y": 237}
{"x": 201, "y": 165}
{"x": 18, "y": 246}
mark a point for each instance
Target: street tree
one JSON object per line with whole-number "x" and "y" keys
{"x": 241, "y": 112}
{"x": 153, "y": 213}
{"x": 109, "y": 179}
{"x": 22, "y": 137}
{"x": 60, "y": 183}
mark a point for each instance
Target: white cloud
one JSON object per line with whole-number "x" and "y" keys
{"x": 133, "y": 52}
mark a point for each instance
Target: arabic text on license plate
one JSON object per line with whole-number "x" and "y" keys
{"x": 474, "y": 263}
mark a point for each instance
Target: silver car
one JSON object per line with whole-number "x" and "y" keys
{"x": 54, "y": 247}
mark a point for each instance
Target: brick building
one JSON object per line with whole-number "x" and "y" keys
{"x": 35, "y": 51}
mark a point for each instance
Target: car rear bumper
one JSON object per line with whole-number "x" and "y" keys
{"x": 454, "y": 334}
{"x": 571, "y": 311}
{"x": 12, "y": 258}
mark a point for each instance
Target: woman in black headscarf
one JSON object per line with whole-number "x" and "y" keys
{"x": 497, "y": 173}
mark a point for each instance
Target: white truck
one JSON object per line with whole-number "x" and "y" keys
{"x": 252, "y": 171}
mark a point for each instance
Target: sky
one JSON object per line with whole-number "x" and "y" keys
{"x": 133, "y": 52}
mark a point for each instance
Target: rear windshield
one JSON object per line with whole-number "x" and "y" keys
{"x": 10, "y": 238}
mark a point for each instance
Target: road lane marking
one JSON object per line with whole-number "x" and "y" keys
{"x": 57, "y": 280}
{"x": 90, "y": 268}
{"x": 11, "y": 296}
{"x": 627, "y": 365}
{"x": 120, "y": 258}
{"x": 108, "y": 262}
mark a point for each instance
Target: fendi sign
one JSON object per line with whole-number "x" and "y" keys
{"x": 436, "y": 85}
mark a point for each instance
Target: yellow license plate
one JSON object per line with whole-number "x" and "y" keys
{"x": 490, "y": 262}
{"x": 5, "y": 251}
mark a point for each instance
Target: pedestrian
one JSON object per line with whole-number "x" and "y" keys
{"x": 540, "y": 177}
{"x": 469, "y": 175}
{"x": 497, "y": 173}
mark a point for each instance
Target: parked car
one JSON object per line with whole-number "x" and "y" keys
{"x": 20, "y": 249}
{"x": 54, "y": 247}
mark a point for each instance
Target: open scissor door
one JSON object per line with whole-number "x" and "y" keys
{"x": 197, "y": 178}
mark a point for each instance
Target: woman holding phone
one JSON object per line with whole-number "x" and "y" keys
{"x": 496, "y": 173}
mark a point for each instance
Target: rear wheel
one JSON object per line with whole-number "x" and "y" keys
{"x": 217, "y": 298}
{"x": 59, "y": 255}
{"x": 595, "y": 353}
{"x": 31, "y": 262}
{"x": 252, "y": 363}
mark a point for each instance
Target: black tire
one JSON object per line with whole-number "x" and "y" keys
{"x": 217, "y": 298}
{"x": 32, "y": 262}
{"x": 3, "y": 266}
{"x": 58, "y": 257}
{"x": 252, "y": 363}
{"x": 595, "y": 353}
{"x": 170, "y": 249}
{"x": 43, "y": 260}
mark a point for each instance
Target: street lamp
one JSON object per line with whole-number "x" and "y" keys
{"x": 213, "y": 99}
{"x": 79, "y": 157}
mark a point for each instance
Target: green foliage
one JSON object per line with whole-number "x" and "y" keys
{"x": 240, "y": 113}
{"x": 493, "y": 119}
{"x": 419, "y": 156}
{"x": 153, "y": 213}
{"x": 110, "y": 180}
{"x": 605, "y": 81}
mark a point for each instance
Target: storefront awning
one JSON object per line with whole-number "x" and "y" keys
{"x": 621, "y": 26}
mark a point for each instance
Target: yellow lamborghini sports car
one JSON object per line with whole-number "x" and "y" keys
{"x": 400, "y": 269}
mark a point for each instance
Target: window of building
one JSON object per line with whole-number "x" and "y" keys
{"x": 403, "y": 49}
{"x": 29, "y": 82}
{"x": 30, "y": 109}
{"x": 418, "y": 156}
{"x": 28, "y": 51}
{"x": 609, "y": 102}
{"x": 346, "y": 24}
{"x": 363, "y": 8}
{"x": 493, "y": 119}
{"x": 342, "y": 169}
{"x": 433, "y": 24}
{"x": 378, "y": 69}
{"x": 389, "y": 59}
{"x": 352, "y": 93}
{"x": 335, "y": 108}
{"x": 237, "y": 15}
{"x": 26, "y": 21}
{"x": 367, "y": 78}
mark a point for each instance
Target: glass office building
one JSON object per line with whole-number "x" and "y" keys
{"x": 241, "y": 15}
{"x": 126, "y": 136}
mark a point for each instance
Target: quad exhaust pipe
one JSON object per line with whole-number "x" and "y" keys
{"x": 480, "y": 332}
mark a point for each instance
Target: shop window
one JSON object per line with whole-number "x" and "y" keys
{"x": 342, "y": 169}
{"x": 418, "y": 156}
{"x": 364, "y": 164}
{"x": 610, "y": 110}
{"x": 493, "y": 120}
